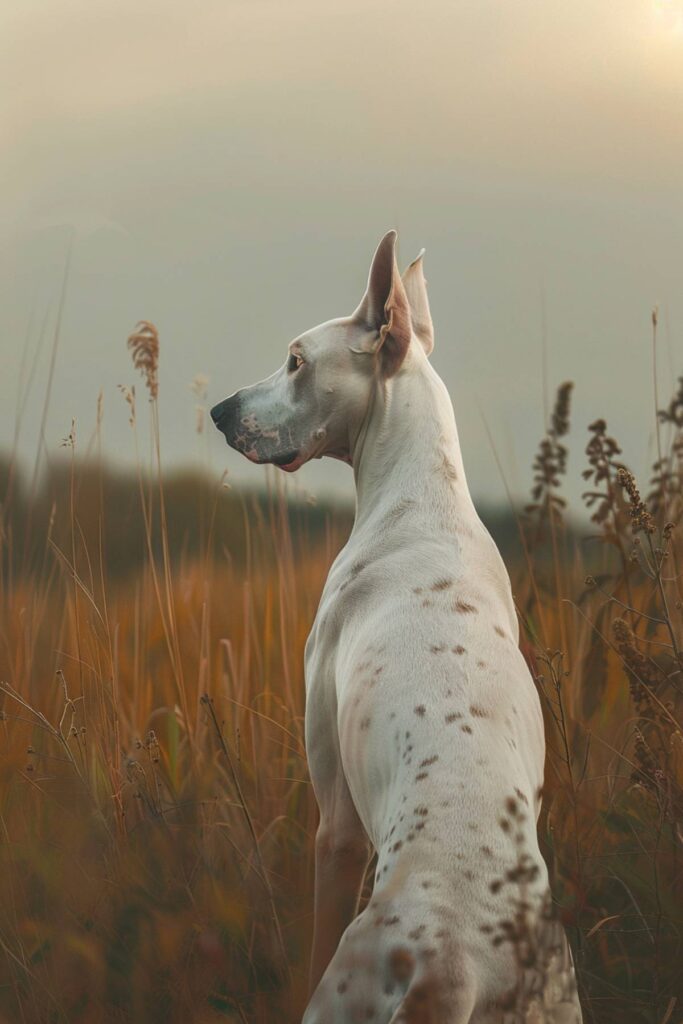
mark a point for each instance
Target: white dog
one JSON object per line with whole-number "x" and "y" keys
{"x": 423, "y": 727}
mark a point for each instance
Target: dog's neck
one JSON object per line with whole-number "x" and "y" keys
{"x": 407, "y": 448}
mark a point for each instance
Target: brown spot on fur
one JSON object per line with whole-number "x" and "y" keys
{"x": 397, "y": 845}
{"x": 496, "y": 885}
{"x": 481, "y": 664}
{"x": 357, "y": 567}
{"x": 429, "y": 760}
{"x": 458, "y": 649}
{"x": 389, "y": 921}
{"x": 512, "y": 808}
{"x": 453, "y": 716}
{"x": 416, "y": 933}
{"x": 427, "y": 603}
{"x": 478, "y": 711}
{"x": 442, "y": 584}
{"x": 487, "y": 851}
{"x": 421, "y": 810}
{"x": 463, "y": 607}
{"x": 469, "y": 875}
{"x": 522, "y": 796}
{"x": 418, "y": 590}
{"x": 499, "y": 630}
{"x": 341, "y": 988}
{"x": 421, "y": 775}
{"x": 466, "y": 728}
{"x": 401, "y": 963}
{"x": 420, "y": 710}
{"x": 438, "y": 648}
{"x": 365, "y": 724}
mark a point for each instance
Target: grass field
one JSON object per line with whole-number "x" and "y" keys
{"x": 156, "y": 818}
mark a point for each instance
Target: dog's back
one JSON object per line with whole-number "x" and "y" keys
{"x": 441, "y": 741}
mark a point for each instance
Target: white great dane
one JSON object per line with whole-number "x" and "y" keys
{"x": 423, "y": 727}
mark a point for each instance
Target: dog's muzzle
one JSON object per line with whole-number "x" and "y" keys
{"x": 249, "y": 440}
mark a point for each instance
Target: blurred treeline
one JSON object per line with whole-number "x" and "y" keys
{"x": 203, "y": 516}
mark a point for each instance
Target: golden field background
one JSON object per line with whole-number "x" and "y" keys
{"x": 156, "y": 818}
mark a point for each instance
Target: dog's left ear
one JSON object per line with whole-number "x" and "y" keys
{"x": 385, "y": 308}
{"x": 416, "y": 290}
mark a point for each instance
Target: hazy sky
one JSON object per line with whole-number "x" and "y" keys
{"x": 226, "y": 169}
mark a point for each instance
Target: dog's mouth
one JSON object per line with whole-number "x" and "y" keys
{"x": 285, "y": 460}
{"x": 288, "y": 461}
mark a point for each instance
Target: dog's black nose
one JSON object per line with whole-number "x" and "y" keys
{"x": 217, "y": 412}
{"x": 226, "y": 415}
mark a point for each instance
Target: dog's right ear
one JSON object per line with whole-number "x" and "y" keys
{"x": 384, "y": 308}
{"x": 416, "y": 290}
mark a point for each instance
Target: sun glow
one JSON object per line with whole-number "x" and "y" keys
{"x": 669, "y": 15}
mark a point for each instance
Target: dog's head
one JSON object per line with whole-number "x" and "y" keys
{"x": 315, "y": 404}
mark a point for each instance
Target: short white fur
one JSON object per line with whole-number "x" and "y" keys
{"x": 424, "y": 731}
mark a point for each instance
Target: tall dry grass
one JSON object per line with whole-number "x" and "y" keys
{"x": 156, "y": 818}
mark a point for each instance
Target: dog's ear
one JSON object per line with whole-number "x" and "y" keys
{"x": 416, "y": 290}
{"x": 385, "y": 309}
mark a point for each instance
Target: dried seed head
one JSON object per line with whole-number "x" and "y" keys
{"x": 199, "y": 385}
{"x": 70, "y": 440}
{"x": 129, "y": 397}
{"x": 641, "y": 519}
{"x": 560, "y": 415}
{"x": 144, "y": 345}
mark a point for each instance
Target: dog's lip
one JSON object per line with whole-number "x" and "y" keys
{"x": 293, "y": 464}
{"x": 285, "y": 459}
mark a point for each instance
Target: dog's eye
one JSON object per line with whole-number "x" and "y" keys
{"x": 293, "y": 363}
